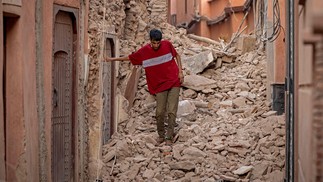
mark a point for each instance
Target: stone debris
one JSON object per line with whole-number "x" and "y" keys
{"x": 198, "y": 83}
{"x": 197, "y": 63}
{"x": 228, "y": 134}
{"x": 226, "y": 129}
{"x": 242, "y": 170}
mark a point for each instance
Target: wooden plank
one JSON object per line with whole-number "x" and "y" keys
{"x": 132, "y": 85}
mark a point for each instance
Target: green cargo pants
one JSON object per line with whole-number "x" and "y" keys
{"x": 167, "y": 104}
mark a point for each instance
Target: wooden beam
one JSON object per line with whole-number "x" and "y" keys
{"x": 132, "y": 85}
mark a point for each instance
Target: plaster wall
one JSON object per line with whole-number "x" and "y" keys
{"x": 279, "y": 53}
{"x": 216, "y": 7}
{"x": 212, "y": 10}
{"x": 182, "y": 14}
{"x": 308, "y": 71}
{"x": 68, "y": 3}
{"x": 222, "y": 30}
{"x": 23, "y": 146}
{"x": 28, "y": 58}
{"x": 28, "y": 91}
{"x": 236, "y": 3}
{"x": 46, "y": 55}
{"x": 14, "y": 109}
{"x": 226, "y": 28}
{"x": 250, "y": 21}
{"x": 205, "y": 10}
{"x": 305, "y": 119}
{"x": 20, "y": 109}
{"x": 172, "y": 6}
{"x": 236, "y": 22}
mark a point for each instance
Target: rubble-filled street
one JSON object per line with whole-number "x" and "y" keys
{"x": 161, "y": 91}
{"x": 226, "y": 129}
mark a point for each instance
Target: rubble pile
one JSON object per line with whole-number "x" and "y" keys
{"x": 128, "y": 20}
{"x": 226, "y": 129}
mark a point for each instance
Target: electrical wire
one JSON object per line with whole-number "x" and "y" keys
{"x": 261, "y": 13}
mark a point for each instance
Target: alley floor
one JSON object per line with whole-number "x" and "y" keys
{"x": 226, "y": 128}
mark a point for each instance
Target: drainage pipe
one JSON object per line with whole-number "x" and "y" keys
{"x": 289, "y": 89}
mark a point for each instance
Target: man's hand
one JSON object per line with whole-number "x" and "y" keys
{"x": 107, "y": 59}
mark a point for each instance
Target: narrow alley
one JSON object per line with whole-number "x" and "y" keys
{"x": 76, "y": 106}
{"x": 226, "y": 128}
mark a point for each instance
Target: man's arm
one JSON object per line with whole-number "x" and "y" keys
{"x": 180, "y": 69}
{"x": 179, "y": 62}
{"x": 108, "y": 59}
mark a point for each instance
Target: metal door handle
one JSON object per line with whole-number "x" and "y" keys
{"x": 55, "y": 97}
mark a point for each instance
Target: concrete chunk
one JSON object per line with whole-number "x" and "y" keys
{"x": 198, "y": 83}
{"x": 196, "y": 64}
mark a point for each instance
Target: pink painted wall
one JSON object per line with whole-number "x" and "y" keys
{"x": 279, "y": 45}
{"x": 212, "y": 10}
{"x": 47, "y": 57}
{"x": 222, "y": 30}
{"x": 23, "y": 162}
{"x": 20, "y": 89}
{"x": 173, "y": 6}
{"x": 216, "y": 7}
{"x": 29, "y": 101}
{"x": 14, "y": 98}
{"x": 308, "y": 156}
{"x": 183, "y": 16}
{"x": 68, "y": 3}
{"x": 236, "y": 2}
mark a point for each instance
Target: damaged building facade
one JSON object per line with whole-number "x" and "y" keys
{"x": 305, "y": 70}
{"x": 223, "y": 20}
{"x": 60, "y": 104}
{"x": 42, "y": 116}
{"x": 293, "y": 37}
{"x": 213, "y": 19}
{"x": 55, "y": 115}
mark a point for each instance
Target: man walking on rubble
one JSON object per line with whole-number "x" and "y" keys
{"x": 164, "y": 76}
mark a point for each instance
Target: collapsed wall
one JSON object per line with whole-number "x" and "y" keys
{"x": 128, "y": 21}
{"x": 230, "y": 120}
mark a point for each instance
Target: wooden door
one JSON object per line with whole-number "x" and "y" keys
{"x": 62, "y": 99}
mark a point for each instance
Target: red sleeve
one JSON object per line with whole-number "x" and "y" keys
{"x": 137, "y": 57}
{"x": 172, "y": 49}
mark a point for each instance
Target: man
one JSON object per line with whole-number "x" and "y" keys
{"x": 164, "y": 77}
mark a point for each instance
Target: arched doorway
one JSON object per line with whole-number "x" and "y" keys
{"x": 63, "y": 117}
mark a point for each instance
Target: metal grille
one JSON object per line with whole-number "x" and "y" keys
{"x": 62, "y": 157}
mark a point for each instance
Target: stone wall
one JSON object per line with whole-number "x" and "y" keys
{"x": 129, "y": 21}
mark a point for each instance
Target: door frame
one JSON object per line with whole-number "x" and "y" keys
{"x": 75, "y": 59}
